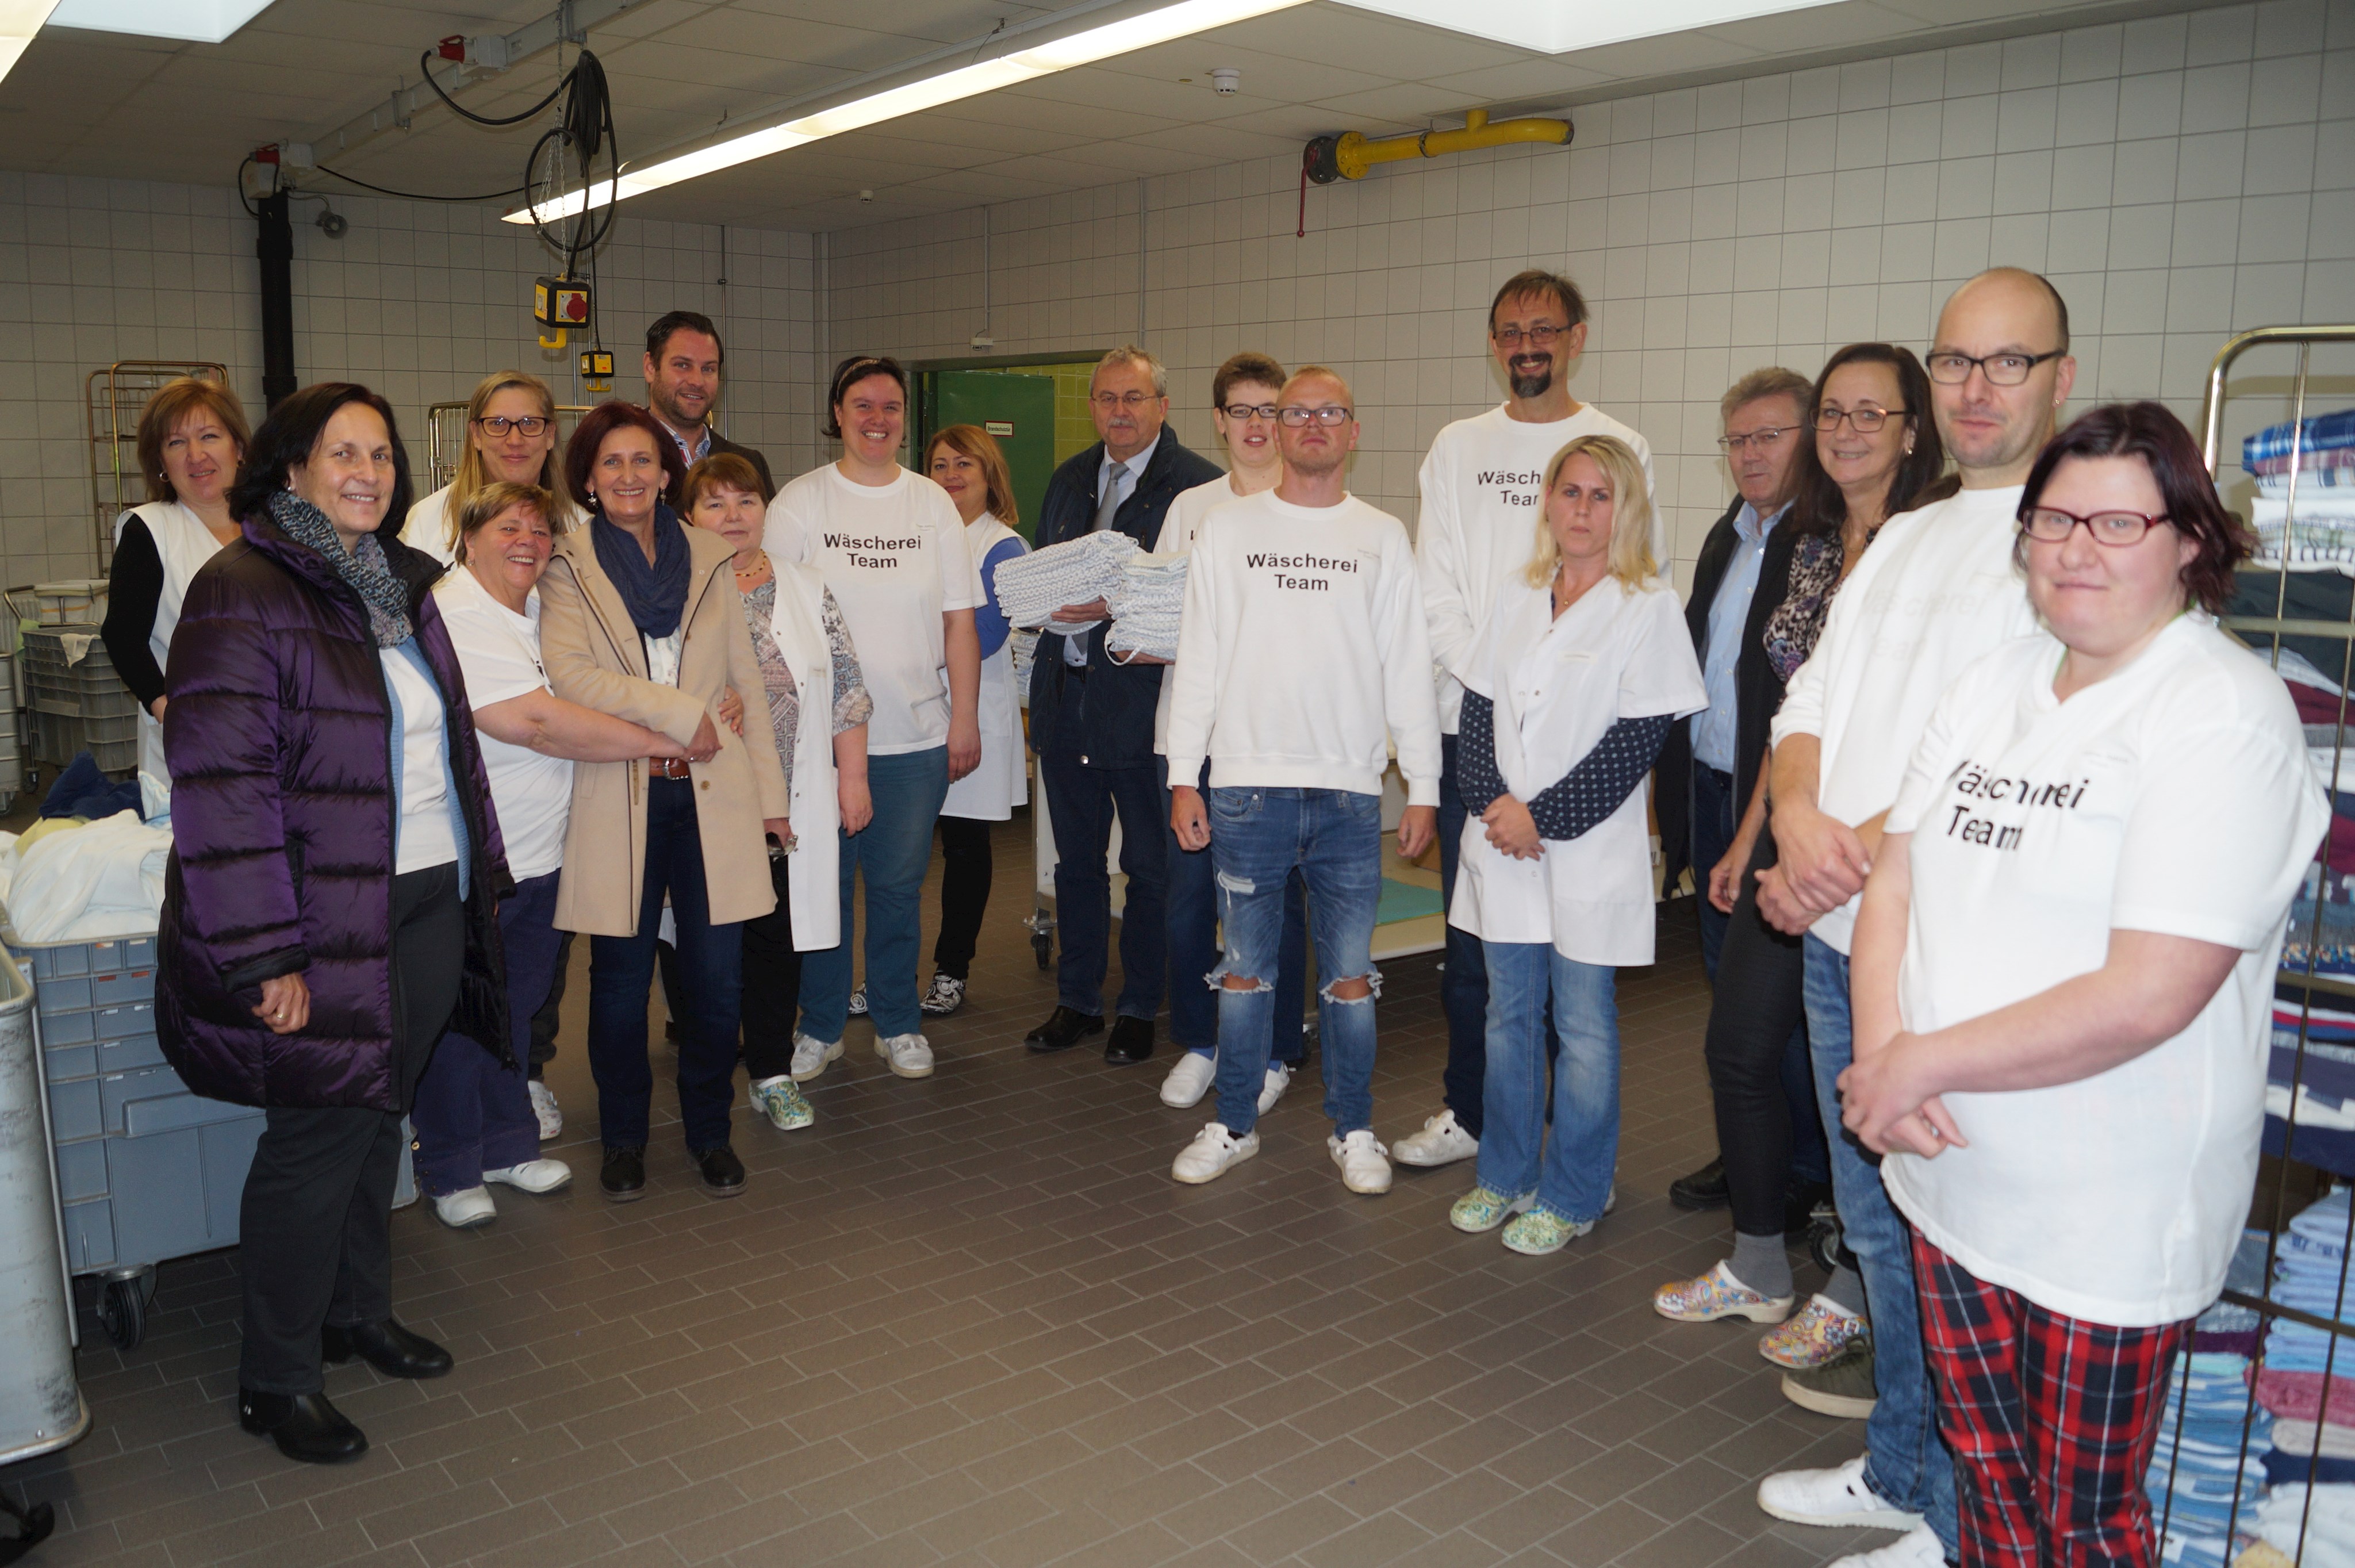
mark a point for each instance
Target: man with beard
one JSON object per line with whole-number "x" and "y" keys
{"x": 1310, "y": 581}
{"x": 1480, "y": 510}
{"x": 682, "y": 370}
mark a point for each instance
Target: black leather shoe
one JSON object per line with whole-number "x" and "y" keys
{"x": 1066, "y": 1028}
{"x": 306, "y": 1427}
{"x": 1131, "y": 1042}
{"x": 387, "y": 1346}
{"x": 1702, "y": 1189}
{"x": 723, "y": 1173}
{"x": 625, "y": 1175}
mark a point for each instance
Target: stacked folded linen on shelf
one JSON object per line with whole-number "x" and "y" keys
{"x": 1031, "y": 588}
{"x": 1147, "y": 607}
{"x": 2198, "y": 1473}
{"x": 2314, "y": 1526}
{"x": 2321, "y": 434}
{"x": 2332, "y": 471}
{"x": 2307, "y": 1381}
{"x": 2321, "y": 533}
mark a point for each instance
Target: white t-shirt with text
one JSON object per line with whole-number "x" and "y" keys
{"x": 2173, "y": 797}
{"x": 895, "y": 559}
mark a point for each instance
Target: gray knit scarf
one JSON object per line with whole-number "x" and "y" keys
{"x": 363, "y": 566}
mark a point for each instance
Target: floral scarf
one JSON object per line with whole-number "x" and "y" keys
{"x": 363, "y": 566}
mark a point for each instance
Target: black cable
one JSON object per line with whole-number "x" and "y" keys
{"x": 414, "y": 195}
{"x": 424, "y": 69}
{"x": 245, "y": 201}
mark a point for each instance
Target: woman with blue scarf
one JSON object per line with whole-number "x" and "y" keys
{"x": 639, "y": 618}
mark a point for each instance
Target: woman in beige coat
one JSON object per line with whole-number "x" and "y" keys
{"x": 639, "y": 618}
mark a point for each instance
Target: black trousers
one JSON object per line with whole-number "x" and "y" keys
{"x": 1759, "y": 1004}
{"x": 965, "y": 871}
{"x": 317, "y": 1216}
{"x": 773, "y": 982}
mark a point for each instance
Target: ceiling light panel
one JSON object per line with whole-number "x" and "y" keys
{"x": 200, "y": 21}
{"x": 19, "y": 20}
{"x": 1556, "y": 27}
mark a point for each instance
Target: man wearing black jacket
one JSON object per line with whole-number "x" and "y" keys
{"x": 1703, "y": 776}
{"x": 1092, "y": 718}
{"x": 684, "y": 358}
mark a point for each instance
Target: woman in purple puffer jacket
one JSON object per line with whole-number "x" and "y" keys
{"x": 331, "y": 901}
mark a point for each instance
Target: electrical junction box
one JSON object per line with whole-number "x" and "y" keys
{"x": 597, "y": 369}
{"x": 559, "y": 302}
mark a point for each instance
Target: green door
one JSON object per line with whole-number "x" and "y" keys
{"x": 1019, "y": 410}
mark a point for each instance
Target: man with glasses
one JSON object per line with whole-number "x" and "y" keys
{"x": 1765, "y": 427}
{"x": 1091, "y": 718}
{"x": 682, "y": 370}
{"x": 1480, "y": 509}
{"x": 1936, "y": 591}
{"x": 1302, "y": 657}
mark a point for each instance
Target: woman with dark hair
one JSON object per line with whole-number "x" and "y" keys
{"x": 892, "y": 549}
{"x": 640, "y": 619}
{"x": 2061, "y": 973}
{"x": 1875, "y": 454}
{"x": 330, "y": 901}
{"x": 192, "y": 437}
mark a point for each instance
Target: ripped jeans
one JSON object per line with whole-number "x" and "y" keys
{"x": 1335, "y": 838}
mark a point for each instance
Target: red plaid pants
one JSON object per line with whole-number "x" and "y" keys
{"x": 2051, "y": 1420}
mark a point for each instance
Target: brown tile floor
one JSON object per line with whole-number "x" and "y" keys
{"x": 970, "y": 1320}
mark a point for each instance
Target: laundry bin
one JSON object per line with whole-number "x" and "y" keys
{"x": 41, "y": 1406}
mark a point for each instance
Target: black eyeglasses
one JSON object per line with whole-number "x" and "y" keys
{"x": 1537, "y": 337}
{"x": 1249, "y": 411}
{"x": 1765, "y": 440}
{"x": 1129, "y": 401}
{"x": 528, "y": 424}
{"x": 1951, "y": 370}
{"x": 1866, "y": 421}
{"x": 1296, "y": 416}
{"x": 2051, "y": 525}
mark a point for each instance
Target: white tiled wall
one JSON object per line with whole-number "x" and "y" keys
{"x": 417, "y": 299}
{"x": 2179, "y": 178}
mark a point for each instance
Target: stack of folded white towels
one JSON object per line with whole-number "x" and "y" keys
{"x": 1031, "y": 588}
{"x": 1147, "y": 607}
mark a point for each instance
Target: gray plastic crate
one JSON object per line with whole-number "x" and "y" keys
{"x": 85, "y": 687}
{"x": 112, "y": 744}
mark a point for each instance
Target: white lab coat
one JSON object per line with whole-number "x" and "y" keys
{"x": 1559, "y": 684}
{"x": 798, "y": 623}
{"x": 991, "y": 791}
{"x": 184, "y": 544}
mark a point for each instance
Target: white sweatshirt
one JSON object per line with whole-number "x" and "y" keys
{"x": 1303, "y": 644}
{"x": 1936, "y": 590}
{"x": 1479, "y": 521}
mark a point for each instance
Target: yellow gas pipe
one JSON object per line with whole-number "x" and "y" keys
{"x": 1352, "y": 155}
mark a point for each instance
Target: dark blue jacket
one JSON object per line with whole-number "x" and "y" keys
{"x": 1105, "y": 719}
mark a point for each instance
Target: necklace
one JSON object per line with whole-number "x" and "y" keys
{"x": 755, "y": 570}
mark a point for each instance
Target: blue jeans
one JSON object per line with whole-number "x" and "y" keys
{"x": 471, "y": 1114}
{"x": 1570, "y": 1173}
{"x": 895, "y": 847}
{"x": 1333, "y": 838}
{"x": 1463, "y": 984}
{"x": 1906, "y": 1462}
{"x": 1082, "y": 802}
{"x": 1193, "y": 920}
{"x": 712, "y": 975}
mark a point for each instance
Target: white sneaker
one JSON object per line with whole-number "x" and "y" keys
{"x": 1917, "y": 1547}
{"x": 1212, "y": 1153}
{"x": 465, "y": 1210}
{"x": 810, "y": 1057}
{"x": 1440, "y": 1142}
{"x": 908, "y": 1055}
{"x": 1365, "y": 1164}
{"x": 533, "y": 1176}
{"x": 1271, "y": 1088}
{"x": 1834, "y": 1497}
{"x": 551, "y": 1113}
{"x": 1189, "y": 1079}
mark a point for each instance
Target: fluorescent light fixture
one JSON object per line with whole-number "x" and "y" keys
{"x": 19, "y": 20}
{"x": 1156, "y": 26}
{"x": 1556, "y": 27}
{"x": 200, "y": 21}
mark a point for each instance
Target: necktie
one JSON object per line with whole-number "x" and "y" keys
{"x": 1111, "y": 502}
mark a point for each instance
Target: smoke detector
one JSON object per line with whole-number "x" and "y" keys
{"x": 1226, "y": 81}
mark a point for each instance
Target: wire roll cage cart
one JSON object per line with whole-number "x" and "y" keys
{"x": 2277, "y": 601}
{"x": 445, "y": 441}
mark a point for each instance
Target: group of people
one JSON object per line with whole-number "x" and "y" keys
{"x": 1995, "y": 830}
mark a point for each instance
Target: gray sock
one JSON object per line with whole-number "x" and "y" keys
{"x": 1761, "y": 1262}
{"x": 1844, "y": 1290}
